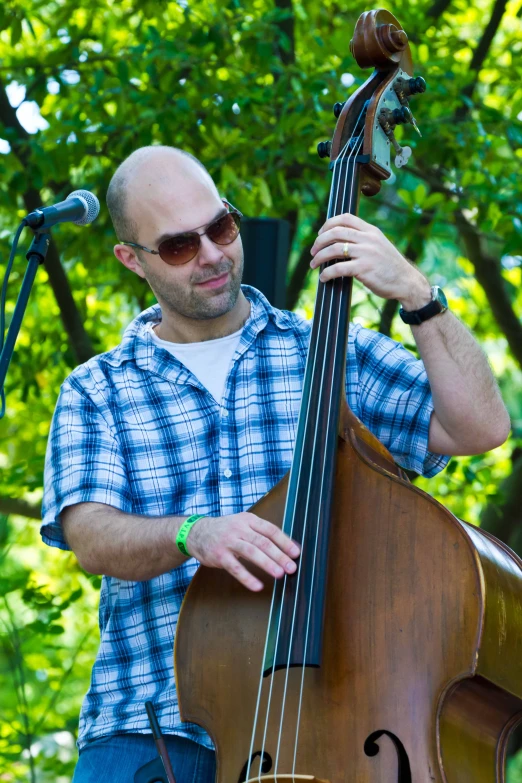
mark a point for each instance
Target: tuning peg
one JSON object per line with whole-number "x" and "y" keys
{"x": 402, "y": 157}
{"x": 401, "y": 116}
{"x": 416, "y": 126}
{"x": 337, "y": 109}
{"x": 389, "y": 118}
{"x": 417, "y": 85}
{"x": 406, "y": 87}
{"x": 324, "y": 148}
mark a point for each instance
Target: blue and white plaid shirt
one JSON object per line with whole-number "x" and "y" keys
{"x": 134, "y": 429}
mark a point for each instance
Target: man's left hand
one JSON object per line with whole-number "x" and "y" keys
{"x": 373, "y": 260}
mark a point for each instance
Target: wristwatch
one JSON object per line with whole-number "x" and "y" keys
{"x": 438, "y": 304}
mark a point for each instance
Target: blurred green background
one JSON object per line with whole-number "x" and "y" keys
{"x": 248, "y": 87}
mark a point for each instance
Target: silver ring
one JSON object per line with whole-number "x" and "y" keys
{"x": 345, "y": 250}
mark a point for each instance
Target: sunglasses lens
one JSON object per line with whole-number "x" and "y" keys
{"x": 180, "y": 249}
{"x": 224, "y": 230}
{"x": 183, "y": 247}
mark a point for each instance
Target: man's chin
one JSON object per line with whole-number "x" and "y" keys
{"x": 214, "y": 304}
{"x": 201, "y": 304}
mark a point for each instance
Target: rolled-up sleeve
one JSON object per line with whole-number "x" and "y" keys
{"x": 394, "y": 399}
{"x": 83, "y": 462}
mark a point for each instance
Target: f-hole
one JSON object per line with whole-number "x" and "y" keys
{"x": 266, "y": 764}
{"x": 371, "y": 749}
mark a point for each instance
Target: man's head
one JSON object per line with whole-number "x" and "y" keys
{"x": 161, "y": 191}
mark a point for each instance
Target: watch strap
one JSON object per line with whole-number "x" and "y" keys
{"x": 435, "y": 307}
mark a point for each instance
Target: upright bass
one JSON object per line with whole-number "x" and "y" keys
{"x": 395, "y": 650}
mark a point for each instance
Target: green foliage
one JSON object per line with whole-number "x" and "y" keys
{"x": 228, "y": 83}
{"x": 48, "y": 637}
{"x": 514, "y": 769}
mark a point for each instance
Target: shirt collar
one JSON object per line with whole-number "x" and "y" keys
{"x": 137, "y": 343}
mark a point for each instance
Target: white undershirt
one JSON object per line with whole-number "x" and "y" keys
{"x": 209, "y": 361}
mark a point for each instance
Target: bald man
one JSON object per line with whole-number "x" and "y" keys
{"x": 158, "y": 447}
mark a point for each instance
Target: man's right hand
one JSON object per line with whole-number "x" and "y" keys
{"x": 218, "y": 542}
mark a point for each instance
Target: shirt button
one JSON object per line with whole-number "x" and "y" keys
{"x": 228, "y": 472}
{"x": 225, "y": 412}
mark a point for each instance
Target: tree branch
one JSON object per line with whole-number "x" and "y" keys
{"x": 437, "y": 185}
{"x": 481, "y": 52}
{"x": 20, "y": 508}
{"x": 62, "y": 66}
{"x": 9, "y": 119}
{"x": 303, "y": 265}
{"x": 412, "y": 253}
{"x": 287, "y": 27}
{"x": 438, "y": 8}
{"x": 489, "y": 275}
{"x": 483, "y": 46}
{"x": 388, "y": 313}
{"x": 71, "y": 318}
{"x": 487, "y": 271}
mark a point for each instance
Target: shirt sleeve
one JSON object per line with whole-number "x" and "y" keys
{"x": 83, "y": 463}
{"x": 393, "y": 399}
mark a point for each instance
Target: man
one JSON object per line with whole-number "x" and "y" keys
{"x": 195, "y": 413}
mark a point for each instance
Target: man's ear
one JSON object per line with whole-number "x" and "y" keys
{"x": 128, "y": 258}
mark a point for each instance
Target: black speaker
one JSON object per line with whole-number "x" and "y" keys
{"x": 266, "y": 242}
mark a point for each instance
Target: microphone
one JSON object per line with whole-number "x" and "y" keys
{"x": 80, "y": 207}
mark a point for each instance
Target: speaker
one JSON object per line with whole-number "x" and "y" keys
{"x": 266, "y": 242}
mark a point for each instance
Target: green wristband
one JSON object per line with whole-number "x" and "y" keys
{"x": 186, "y": 527}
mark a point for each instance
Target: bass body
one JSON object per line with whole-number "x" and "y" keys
{"x": 421, "y": 677}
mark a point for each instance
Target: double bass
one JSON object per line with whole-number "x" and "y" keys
{"x": 394, "y": 653}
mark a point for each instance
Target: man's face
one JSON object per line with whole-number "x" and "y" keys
{"x": 207, "y": 286}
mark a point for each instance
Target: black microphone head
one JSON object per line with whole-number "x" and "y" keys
{"x": 92, "y": 206}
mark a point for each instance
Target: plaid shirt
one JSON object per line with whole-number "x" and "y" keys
{"x": 134, "y": 429}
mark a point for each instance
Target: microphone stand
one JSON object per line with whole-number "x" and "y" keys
{"x": 35, "y": 256}
{"x": 159, "y": 741}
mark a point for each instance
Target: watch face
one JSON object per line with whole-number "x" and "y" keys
{"x": 439, "y": 296}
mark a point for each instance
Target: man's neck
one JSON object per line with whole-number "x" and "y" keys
{"x": 177, "y": 329}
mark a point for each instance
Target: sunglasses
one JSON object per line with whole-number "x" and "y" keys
{"x": 182, "y": 248}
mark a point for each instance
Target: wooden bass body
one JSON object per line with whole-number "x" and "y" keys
{"x": 421, "y": 676}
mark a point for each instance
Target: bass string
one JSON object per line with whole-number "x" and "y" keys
{"x": 329, "y": 294}
{"x": 326, "y": 293}
{"x": 287, "y": 672}
{"x": 320, "y": 295}
{"x": 318, "y": 309}
{"x": 301, "y": 690}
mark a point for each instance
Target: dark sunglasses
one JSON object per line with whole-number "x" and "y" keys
{"x": 182, "y": 248}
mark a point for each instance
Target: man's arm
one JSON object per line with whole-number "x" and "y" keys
{"x": 108, "y": 541}
{"x": 469, "y": 415}
{"x": 133, "y": 547}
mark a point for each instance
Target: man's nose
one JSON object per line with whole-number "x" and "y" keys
{"x": 208, "y": 251}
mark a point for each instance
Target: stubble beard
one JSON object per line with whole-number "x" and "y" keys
{"x": 202, "y": 306}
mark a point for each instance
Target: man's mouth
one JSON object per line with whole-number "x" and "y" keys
{"x": 215, "y": 282}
